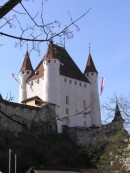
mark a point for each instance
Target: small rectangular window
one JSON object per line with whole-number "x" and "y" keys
{"x": 65, "y": 79}
{"x": 67, "y": 110}
{"x": 70, "y": 82}
{"x": 67, "y": 100}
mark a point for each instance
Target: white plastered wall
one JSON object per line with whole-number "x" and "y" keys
{"x": 77, "y": 93}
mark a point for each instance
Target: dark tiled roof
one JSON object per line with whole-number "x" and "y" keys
{"x": 68, "y": 67}
{"x": 26, "y": 63}
{"x": 118, "y": 116}
{"x": 90, "y": 67}
{"x": 39, "y": 72}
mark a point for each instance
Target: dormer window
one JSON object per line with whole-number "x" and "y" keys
{"x": 65, "y": 79}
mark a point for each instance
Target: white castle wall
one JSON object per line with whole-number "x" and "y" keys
{"x": 23, "y": 76}
{"x": 51, "y": 87}
{"x": 35, "y": 88}
{"x": 96, "y": 114}
{"x": 77, "y": 92}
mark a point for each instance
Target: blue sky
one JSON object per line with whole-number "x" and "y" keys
{"x": 106, "y": 26}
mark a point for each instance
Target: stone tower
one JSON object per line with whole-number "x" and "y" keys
{"x": 24, "y": 73}
{"x": 51, "y": 65}
{"x": 92, "y": 75}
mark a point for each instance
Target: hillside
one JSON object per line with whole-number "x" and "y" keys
{"x": 40, "y": 150}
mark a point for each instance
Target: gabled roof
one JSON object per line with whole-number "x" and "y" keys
{"x": 26, "y": 63}
{"x": 90, "y": 67}
{"x": 68, "y": 69}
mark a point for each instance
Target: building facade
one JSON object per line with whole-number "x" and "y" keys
{"x": 58, "y": 80}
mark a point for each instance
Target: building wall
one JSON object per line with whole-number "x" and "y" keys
{"x": 79, "y": 98}
{"x": 35, "y": 88}
{"x": 75, "y": 96}
{"x": 70, "y": 96}
{"x": 12, "y": 112}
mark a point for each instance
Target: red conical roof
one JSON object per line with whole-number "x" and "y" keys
{"x": 50, "y": 51}
{"x": 26, "y": 63}
{"x": 90, "y": 67}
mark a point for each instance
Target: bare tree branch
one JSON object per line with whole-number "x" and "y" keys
{"x": 8, "y": 6}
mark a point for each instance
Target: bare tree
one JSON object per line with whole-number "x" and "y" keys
{"x": 36, "y": 30}
{"x": 124, "y": 106}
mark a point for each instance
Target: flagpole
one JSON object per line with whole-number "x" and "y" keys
{"x": 15, "y": 162}
{"x": 10, "y": 160}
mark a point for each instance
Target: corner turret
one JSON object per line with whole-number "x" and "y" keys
{"x": 52, "y": 83}
{"x": 92, "y": 75}
{"x": 24, "y": 73}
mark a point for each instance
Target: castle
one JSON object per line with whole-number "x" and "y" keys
{"x": 59, "y": 81}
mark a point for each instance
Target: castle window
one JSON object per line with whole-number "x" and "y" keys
{"x": 80, "y": 84}
{"x": 92, "y": 73}
{"x": 85, "y": 85}
{"x": 65, "y": 79}
{"x": 22, "y": 72}
{"x": 70, "y": 81}
{"x": 75, "y": 83}
{"x": 27, "y": 72}
{"x": 37, "y": 81}
{"x": 67, "y": 100}
{"x": 67, "y": 110}
{"x": 54, "y": 61}
{"x": 84, "y": 104}
{"x": 49, "y": 61}
{"x": 87, "y": 74}
{"x": 32, "y": 83}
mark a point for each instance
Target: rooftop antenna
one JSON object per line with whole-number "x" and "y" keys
{"x": 89, "y": 46}
{"x": 27, "y": 47}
